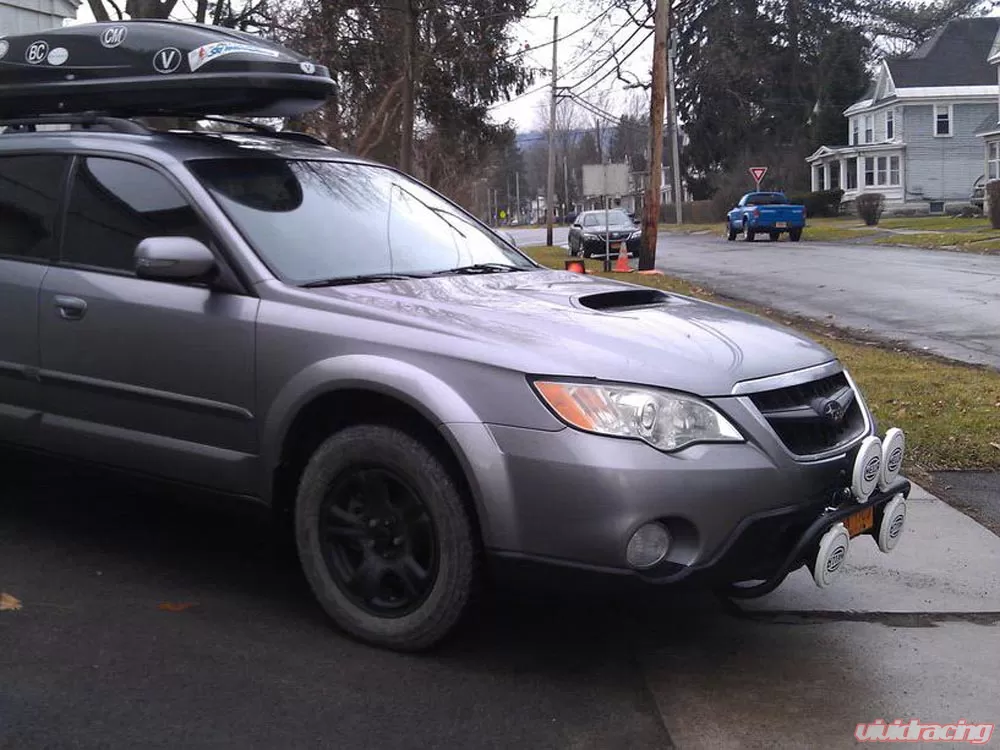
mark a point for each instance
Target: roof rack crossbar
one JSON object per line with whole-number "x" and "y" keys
{"x": 118, "y": 124}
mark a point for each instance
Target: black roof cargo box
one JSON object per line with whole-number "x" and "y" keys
{"x": 136, "y": 68}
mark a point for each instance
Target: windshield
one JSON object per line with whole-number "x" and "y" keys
{"x": 615, "y": 218}
{"x": 313, "y": 221}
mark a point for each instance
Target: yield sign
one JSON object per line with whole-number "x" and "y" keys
{"x": 758, "y": 173}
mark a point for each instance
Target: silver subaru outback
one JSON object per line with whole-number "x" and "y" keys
{"x": 270, "y": 318}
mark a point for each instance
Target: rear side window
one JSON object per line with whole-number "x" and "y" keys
{"x": 114, "y": 205}
{"x": 29, "y": 201}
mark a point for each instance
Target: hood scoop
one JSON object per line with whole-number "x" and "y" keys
{"x": 626, "y": 299}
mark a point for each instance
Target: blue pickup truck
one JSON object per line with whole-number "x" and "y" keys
{"x": 765, "y": 213}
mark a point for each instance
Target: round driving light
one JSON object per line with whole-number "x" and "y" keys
{"x": 867, "y": 469}
{"x": 648, "y": 546}
{"x": 893, "y": 520}
{"x": 892, "y": 456}
{"x": 830, "y": 555}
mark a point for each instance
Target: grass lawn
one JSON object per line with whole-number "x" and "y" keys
{"x": 942, "y": 232}
{"x": 949, "y": 411}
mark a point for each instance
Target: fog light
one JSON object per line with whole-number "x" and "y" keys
{"x": 648, "y": 546}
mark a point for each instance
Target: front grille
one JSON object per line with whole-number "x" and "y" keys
{"x": 797, "y": 414}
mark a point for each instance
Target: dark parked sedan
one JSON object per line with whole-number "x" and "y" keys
{"x": 591, "y": 235}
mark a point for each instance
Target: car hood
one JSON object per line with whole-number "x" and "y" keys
{"x": 567, "y": 324}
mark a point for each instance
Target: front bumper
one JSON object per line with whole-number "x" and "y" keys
{"x": 599, "y": 247}
{"x": 567, "y": 502}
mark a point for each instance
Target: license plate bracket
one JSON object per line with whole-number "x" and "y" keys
{"x": 860, "y": 522}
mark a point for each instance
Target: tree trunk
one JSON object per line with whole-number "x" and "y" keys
{"x": 409, "y": 21}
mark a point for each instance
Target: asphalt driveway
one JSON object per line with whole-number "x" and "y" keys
{"x": 149, "y": 621}
{"x": 945, "y": 302}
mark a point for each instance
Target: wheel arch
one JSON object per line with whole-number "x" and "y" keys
{"x": 356, "y": 389}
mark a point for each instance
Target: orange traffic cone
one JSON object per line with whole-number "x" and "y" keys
{"x": 622, "y": 265}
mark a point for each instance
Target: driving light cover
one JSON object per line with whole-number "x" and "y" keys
{"x": 667, "y": 421}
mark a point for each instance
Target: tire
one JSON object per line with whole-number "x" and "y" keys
{"x": 730, "y": 232}
{"x": 775, "y": 236}
{"x": 795, "y": 235}
{"x": 748, "y": 233}
{"x": 415, "y": 591}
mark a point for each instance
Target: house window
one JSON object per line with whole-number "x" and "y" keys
{"x": 869, "y": 171}
{"x": 942, "y": 120}
{"x": 854, "y": 131}
{"x": 890, "y": 124}
{"x": 994, "y": 161}
{"x": 881, "y": 172}
{"x": 869, "y": 128}
{"x": 821, "y": 177}
{"x": 834, "y": 175}
{"x": 893, "y": 170}
{"x": 852, "y": 174}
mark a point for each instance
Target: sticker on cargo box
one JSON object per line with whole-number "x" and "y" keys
{"x": 208, "y": 52}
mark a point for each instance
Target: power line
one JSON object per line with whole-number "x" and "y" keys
{"x": 603, "y": 113}
{"x": 523, "y": 94}
{"x": 618, "y": 64}
{"x": 589, "y": 23}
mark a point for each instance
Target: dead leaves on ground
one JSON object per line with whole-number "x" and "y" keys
{"x": 9, "y": 603}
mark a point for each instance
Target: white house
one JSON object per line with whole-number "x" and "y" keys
{"x": 25, "y": 16}
{"x": 915, "y": 134}
{"x": 989, "y": 129}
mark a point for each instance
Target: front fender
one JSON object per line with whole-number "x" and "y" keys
{"x": 438, "y": 402}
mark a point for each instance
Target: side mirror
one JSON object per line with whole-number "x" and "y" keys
{"x": 173, "y": 259}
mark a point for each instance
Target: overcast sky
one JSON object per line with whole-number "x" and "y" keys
{"x": 576, "y": 56}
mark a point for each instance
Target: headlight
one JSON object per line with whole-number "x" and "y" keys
{"x": 636, "y": 235}
{"x": 591, "y": 236}
{"x": 668, "y": 421}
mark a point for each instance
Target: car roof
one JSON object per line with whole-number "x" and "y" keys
{"x": 180, "y": 146}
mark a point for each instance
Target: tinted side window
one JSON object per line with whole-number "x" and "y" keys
{"x": 29, "y": 198}
{"x": 116, "y": 204}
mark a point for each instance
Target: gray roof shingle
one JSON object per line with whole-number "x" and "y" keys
{"x": 955, "y": 56}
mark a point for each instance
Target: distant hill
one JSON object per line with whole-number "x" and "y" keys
{"x": 532, "y": 138}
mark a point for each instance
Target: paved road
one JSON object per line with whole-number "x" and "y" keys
{"x": 532, "y": 236}
{"x": 92, "y": 661}
{"x": 944, "y": 301}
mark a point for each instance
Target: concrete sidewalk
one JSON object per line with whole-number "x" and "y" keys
{"x": 910, "y": 635}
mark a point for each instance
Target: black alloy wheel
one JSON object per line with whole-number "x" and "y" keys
{"x": 378, "y": 541}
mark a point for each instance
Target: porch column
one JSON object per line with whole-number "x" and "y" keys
{"x": 843, "y": 175}
{"x": 815, "y": 178}
{"x": 861, "y": 173}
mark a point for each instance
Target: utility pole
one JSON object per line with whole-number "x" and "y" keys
{"x": 651, "y": 209}
{"x": 551, "y": 186}
{"x": 517, "y": 211}
{"x": 674, "y": 136}
{"x": 566, "y": 209}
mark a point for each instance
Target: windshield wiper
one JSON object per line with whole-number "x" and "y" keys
{"x": 480, "y": 268}
{"x": 366, "y": 278}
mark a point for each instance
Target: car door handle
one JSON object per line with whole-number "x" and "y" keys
{"x": 70, "y": 308}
